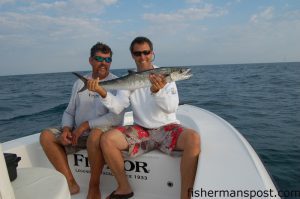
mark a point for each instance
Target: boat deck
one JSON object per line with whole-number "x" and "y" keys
{"x": 227, "y": 162}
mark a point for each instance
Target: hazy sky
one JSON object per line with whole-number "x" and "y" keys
{"x": 55, "y": 36}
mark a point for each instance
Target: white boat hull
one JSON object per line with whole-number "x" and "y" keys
{"x": 227, "y": 162}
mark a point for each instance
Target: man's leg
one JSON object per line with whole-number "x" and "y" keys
{"x": 96, "y": 161}
{"x": 112, "y": 143}
{"x": 189, "y": 142}
{"x": 58, "y": 157}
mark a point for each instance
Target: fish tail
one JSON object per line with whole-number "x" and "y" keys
{"x": 82, "y": 79}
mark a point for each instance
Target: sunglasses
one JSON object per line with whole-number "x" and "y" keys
{"x": 101, "y": 59}
{"x": 139, "y": 53}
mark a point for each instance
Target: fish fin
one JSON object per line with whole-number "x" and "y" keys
{"x": 82, "y": 79}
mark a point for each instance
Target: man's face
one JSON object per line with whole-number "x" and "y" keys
{"x": 142, "y": 56}
{"x": 100, "y": 66}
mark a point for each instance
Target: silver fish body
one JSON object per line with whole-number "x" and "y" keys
{"x": 135, "y": 80}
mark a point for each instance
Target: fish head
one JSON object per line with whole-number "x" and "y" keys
{"x": 180, "y": 73}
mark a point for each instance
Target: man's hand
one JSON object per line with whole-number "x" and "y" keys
{"x": 93, "y": 85}
{"x": 66, "y": 137}
{"x": 157, "y": 81}
{"x": 78, "y": 132}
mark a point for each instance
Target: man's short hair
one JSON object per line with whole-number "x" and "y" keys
{"x": 141, "y": 40}
{"x": 101, "y": 47}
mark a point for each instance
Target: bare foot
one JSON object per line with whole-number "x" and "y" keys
{"x": 73, "y": 187}
{"x": 94, "y": 193}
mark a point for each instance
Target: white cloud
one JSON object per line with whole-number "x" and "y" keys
{"x": 233, "y": 2}
{"x": 265, "y": 15}
{"x": 69, "y": 7}
{"x": 189, "y": 14}
{"x": 269, "y": 39}
{"x": 46, "y": 6}
{"x": 163, "y": 18}
{"x": 41, "y": 28}
{"x": 59, "y": 34}
{"x": 90, "y": 5}
{"x": 194, "y": 1}
{"x": 35, "y": 21}
{"x": 202, "y": 13}
{"x": 148, "y": 5}
{"x": 291, "y": 15}
{"x": 62, "y": 30}
{"x": 6, "y": 1}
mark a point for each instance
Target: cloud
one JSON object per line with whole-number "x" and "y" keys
{"x": 38, "y": 7}
{"x": 2, "y": 2}
{"x": 57, "y": 29}
{"x": 68, "y": 8}
{"x": 189, "y": 14}
{"x": 148, "y": 5}
{"x": 36, "y": 22}
{"x": 265, "y": 40}
{"x": 269, "y": 38}
{"x": 59, "y": 33}
{"x": 194, "y": 1}
{"x": 37, "y": 29}
{"x": 265, "y": 15}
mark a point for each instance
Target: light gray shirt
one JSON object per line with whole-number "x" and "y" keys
{"x": 87, "y": 106}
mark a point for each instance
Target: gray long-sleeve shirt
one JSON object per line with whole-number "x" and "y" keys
{"x": 87, "y": 106}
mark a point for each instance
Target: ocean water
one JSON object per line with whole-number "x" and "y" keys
{"x": 261, "y": 100}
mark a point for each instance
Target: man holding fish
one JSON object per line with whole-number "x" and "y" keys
{"x": 83, "y": 122}
{"x": 155, "y": 127}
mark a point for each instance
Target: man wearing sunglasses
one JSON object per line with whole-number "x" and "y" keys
{"x": 83, "y": 122}
{"x": 155, "y": 124}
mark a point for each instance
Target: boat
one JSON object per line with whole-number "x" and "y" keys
{"x": 228, "y": 166}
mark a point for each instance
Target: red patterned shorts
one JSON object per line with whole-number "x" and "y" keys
{"x": 142, "y": 140}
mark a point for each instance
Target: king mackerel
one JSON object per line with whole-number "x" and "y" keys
{"x": 134, "y": 80}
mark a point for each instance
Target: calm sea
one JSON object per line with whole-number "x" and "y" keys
{"x": 261, "y": 100}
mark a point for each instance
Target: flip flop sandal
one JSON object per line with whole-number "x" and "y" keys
{"x": 113, "y": 195}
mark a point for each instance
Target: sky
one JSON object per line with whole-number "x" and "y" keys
{"x": 56, "y": 36}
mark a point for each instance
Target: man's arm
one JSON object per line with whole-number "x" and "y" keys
{"x": 167, "y": 98}
{"x": 109, "y": 119}
{"x": 66, "y": 137}
{"x": 68, "y": 118}
{"x": 115, "y": 103}
{"x": 165, "y": 94}
{"x": 84, "y": 126}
